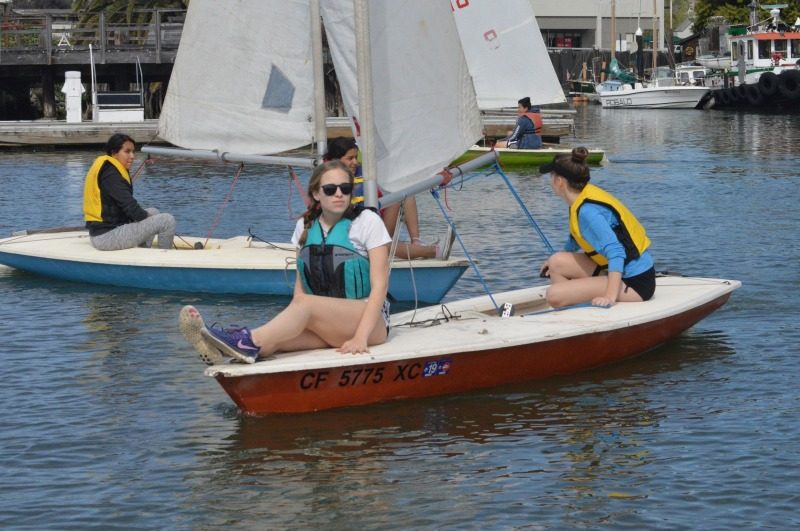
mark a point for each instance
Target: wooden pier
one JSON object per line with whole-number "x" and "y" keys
{"x": 58, "y": 133}
{"x": 38, "y": 47}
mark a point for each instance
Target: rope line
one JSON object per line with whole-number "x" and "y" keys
{"x": 224, "y": 204}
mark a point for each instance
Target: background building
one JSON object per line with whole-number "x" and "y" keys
{"x": 588, "y": 23}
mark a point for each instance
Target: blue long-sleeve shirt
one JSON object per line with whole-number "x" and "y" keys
{"x": 524, "y": 135}
{"x": 597, "y": 227}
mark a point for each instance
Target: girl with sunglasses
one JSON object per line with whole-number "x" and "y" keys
{"x": 340, "y": 292}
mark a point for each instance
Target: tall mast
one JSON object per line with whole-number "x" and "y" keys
{"x": 364, "y": 72}
{"x": 320, "y": 130}
{"x": 613, "y": 29}
{"x": 655, "y": 31}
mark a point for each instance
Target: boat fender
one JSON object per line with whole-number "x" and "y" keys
{"x": 789, "y": 84}
{"x": 768, "y": 84}
{"x": 740, "y": 91}
{"x": 725, "y": 96}
{"x": 718, "y": 101}
{"x": 754, "y": 96}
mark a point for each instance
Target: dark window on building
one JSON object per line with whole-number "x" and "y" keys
{"x": 564, "y": 39}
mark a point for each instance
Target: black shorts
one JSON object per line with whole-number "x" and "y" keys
{"x": 643, "y": 284}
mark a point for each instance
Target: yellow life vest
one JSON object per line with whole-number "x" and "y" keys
{"x": 358, "y": 191}
{"x": 629, "y": 232}
{"x": 92, "y": 204}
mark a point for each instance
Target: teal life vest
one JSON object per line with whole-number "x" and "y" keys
{"x": 331, "y": 266}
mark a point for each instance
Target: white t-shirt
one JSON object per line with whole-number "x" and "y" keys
{"x": 366, "y": 232}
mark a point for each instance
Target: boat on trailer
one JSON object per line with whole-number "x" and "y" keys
{"x": 241, "y": 264}
{"x": 466, "y": 345}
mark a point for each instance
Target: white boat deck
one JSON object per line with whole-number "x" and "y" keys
{"x": 478, "y": 328}
{"x": 239, "y": 252}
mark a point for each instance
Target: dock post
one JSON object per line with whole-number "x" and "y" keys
{"x": 48, "y": 93}
{"x": 158, "y": 35}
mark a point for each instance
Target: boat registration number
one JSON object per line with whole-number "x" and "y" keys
{"x": 617, "y": 102}
{"x": 374, "y": 375}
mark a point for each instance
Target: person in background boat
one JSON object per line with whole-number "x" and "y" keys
{"x": 606, "y": 258}
{"x": 346, "y": 150}
{"x": 114, "y": 218}
{"x": 527, "y": 132}
{"x": 340, "y": 294}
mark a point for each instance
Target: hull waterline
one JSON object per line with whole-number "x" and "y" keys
{"x": 653, "y": 98}
{"x": 233, "y": 267}
{"x": 526, "y": 158}
{"x": 365, "y": 381}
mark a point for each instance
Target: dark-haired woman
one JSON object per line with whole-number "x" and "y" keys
{"x": 114, "y": 218}
{"x": 528, "y": 130}
{"x": 340, "y": 293}
{"x": 606, "y": 259}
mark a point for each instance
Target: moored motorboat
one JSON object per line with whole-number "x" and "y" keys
{"x": 660, "y": 93}
{"x": 642, "y": 97}
{"x": 466, "y": 345}
{"x": 234, "y": 265}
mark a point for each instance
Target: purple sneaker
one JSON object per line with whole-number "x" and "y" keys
{"x": 234, "y": 342}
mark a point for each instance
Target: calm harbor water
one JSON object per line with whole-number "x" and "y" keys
{"x": 108, "y": 421}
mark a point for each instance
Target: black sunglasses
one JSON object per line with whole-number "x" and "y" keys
{"x": 330, "y": 189}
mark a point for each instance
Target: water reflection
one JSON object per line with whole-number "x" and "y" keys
{"x": 575, "y": 435}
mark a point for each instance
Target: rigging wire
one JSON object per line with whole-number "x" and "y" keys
{"x": 224, "y": 203}
{"x": 459, "y": 184}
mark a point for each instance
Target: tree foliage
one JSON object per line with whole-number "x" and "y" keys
{"x": 738, "y": 12}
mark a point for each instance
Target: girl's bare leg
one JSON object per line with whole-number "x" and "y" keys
{"x": 330, "y": 321}
{"x": 573, "y": 283}
{"x": 411, "y": 217}
{"x": 390, "y": 216}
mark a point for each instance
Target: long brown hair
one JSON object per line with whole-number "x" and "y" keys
{"x": 314, "y": 209}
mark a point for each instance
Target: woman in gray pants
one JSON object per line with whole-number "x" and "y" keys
{"x": 114, "y": 218}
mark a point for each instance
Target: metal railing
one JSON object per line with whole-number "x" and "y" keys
{"x": 54, "y": 37}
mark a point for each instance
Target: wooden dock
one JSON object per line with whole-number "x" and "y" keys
{"x": 58, "y": 133}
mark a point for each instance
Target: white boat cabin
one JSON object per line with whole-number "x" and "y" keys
{"x": 767, "y": 44}
{"x": 691, "y": 75}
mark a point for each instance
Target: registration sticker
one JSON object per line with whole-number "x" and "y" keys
{"x": 436, "y": 368}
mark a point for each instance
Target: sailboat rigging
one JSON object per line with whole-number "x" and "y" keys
{"x": 428, "y": 110}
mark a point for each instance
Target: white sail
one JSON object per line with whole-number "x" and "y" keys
{"x": 425, "y": 109}
{"x": 243, "y": 78}
{"x": 506, "y": 53}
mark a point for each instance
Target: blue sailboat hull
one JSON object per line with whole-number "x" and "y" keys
{"x": 426, "y": 284}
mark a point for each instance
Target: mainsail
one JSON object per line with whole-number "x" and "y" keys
{"x": 425, "y": 109}
{"x": 243, "y": 78}
{"x": 243, "y": 82}
{"x": 506, "y": 53}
